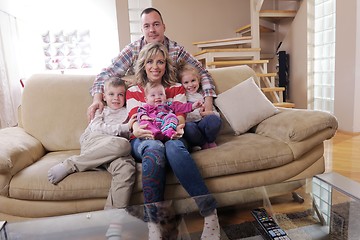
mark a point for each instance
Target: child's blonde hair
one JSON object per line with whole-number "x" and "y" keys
{"x": 150, "y": 85}
{"x": 183, "y": 67}
{"x": 114, "y": 82}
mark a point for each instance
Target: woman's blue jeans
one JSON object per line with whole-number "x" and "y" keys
{"x": 155, "y": 156}
{"x": 203, "y": 131}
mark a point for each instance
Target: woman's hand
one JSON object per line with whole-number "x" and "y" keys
{"x": 139, "y": 131}
{"x": 131, "y": 122}
{"x": 197, "y": 104}
{"x": 179, "y": 132}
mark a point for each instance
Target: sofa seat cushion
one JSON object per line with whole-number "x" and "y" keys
{"x": 32, "y": 183}
{"x": 253, "y": 152}
{"x": 236, "y": 154}
{"x": 243, "y": 153}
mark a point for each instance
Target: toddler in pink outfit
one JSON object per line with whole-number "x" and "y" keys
{"x": 160, "y": 115}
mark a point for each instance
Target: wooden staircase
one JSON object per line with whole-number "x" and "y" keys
{"x": 237, "y": 41}
{"x": 245, "y": 49}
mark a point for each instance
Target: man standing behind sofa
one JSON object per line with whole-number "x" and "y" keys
{"x": 153, "y": 29}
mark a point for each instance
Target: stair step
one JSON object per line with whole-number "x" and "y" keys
{"x": 234, "y": 63}
{"x": 273, "y": 89}
{"x": 223, "y": 42}
{"x": 247, "y": 29}
{"x": 226, "y": 50}
{"x": 284, "y": 105}
{"x": 268, "y": 79}
{"x": 276, "y": 15}
{"x": 210, "y": 54}
{"x": 266, "y": 74}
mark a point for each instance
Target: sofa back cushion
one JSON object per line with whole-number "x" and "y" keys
{"x": 53, "y": 106}
{"x": 53, "y": 109}
{"x": 228, "y": 77}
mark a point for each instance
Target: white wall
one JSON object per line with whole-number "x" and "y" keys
{"x": 347, "y": 89}
{"x": 357, "y": 73}
{"x": 189, "y": 21}
{"x": 122, "y": 13}
{"x": 295, "y": 44}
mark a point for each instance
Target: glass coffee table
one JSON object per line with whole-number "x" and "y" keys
{"x": 324, "y": 207}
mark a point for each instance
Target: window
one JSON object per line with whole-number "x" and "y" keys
{"x": 322, "y": 55}
{"x": 65, "y": 36}
{"x": 67, "y": 50}
{"x": 135, "y": 9}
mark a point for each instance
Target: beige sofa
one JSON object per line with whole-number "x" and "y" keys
{"x": 286, "y": 146}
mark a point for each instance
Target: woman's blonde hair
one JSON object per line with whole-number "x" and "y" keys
{"x": 148, "y": 51}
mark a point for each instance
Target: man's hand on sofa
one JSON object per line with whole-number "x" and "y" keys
{"x": 96, "y": 104}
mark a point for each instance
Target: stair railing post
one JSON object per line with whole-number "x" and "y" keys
{"x": 255, "y": 6}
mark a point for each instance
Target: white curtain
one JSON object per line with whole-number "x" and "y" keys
{"x": 10, "y": 88}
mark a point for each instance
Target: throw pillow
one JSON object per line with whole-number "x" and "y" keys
{"x": 244, "y": 106}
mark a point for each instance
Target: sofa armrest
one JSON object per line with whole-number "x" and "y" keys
{"x": 18, "y": 150}
{"x": 295, "y": 125}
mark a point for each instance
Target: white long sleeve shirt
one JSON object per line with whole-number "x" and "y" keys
{"x": 110, "y": 122}
{"x": 195, "y": 116}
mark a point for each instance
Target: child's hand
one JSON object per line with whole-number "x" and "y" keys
{"x": 179, "y": 132}
{"x": 146, "y": 118}
{"x": 197, "y": 104}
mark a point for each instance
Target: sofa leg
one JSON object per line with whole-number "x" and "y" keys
{"x": 297, "y": 197}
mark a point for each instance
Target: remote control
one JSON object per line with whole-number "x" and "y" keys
{"x": 268, "y": 225}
